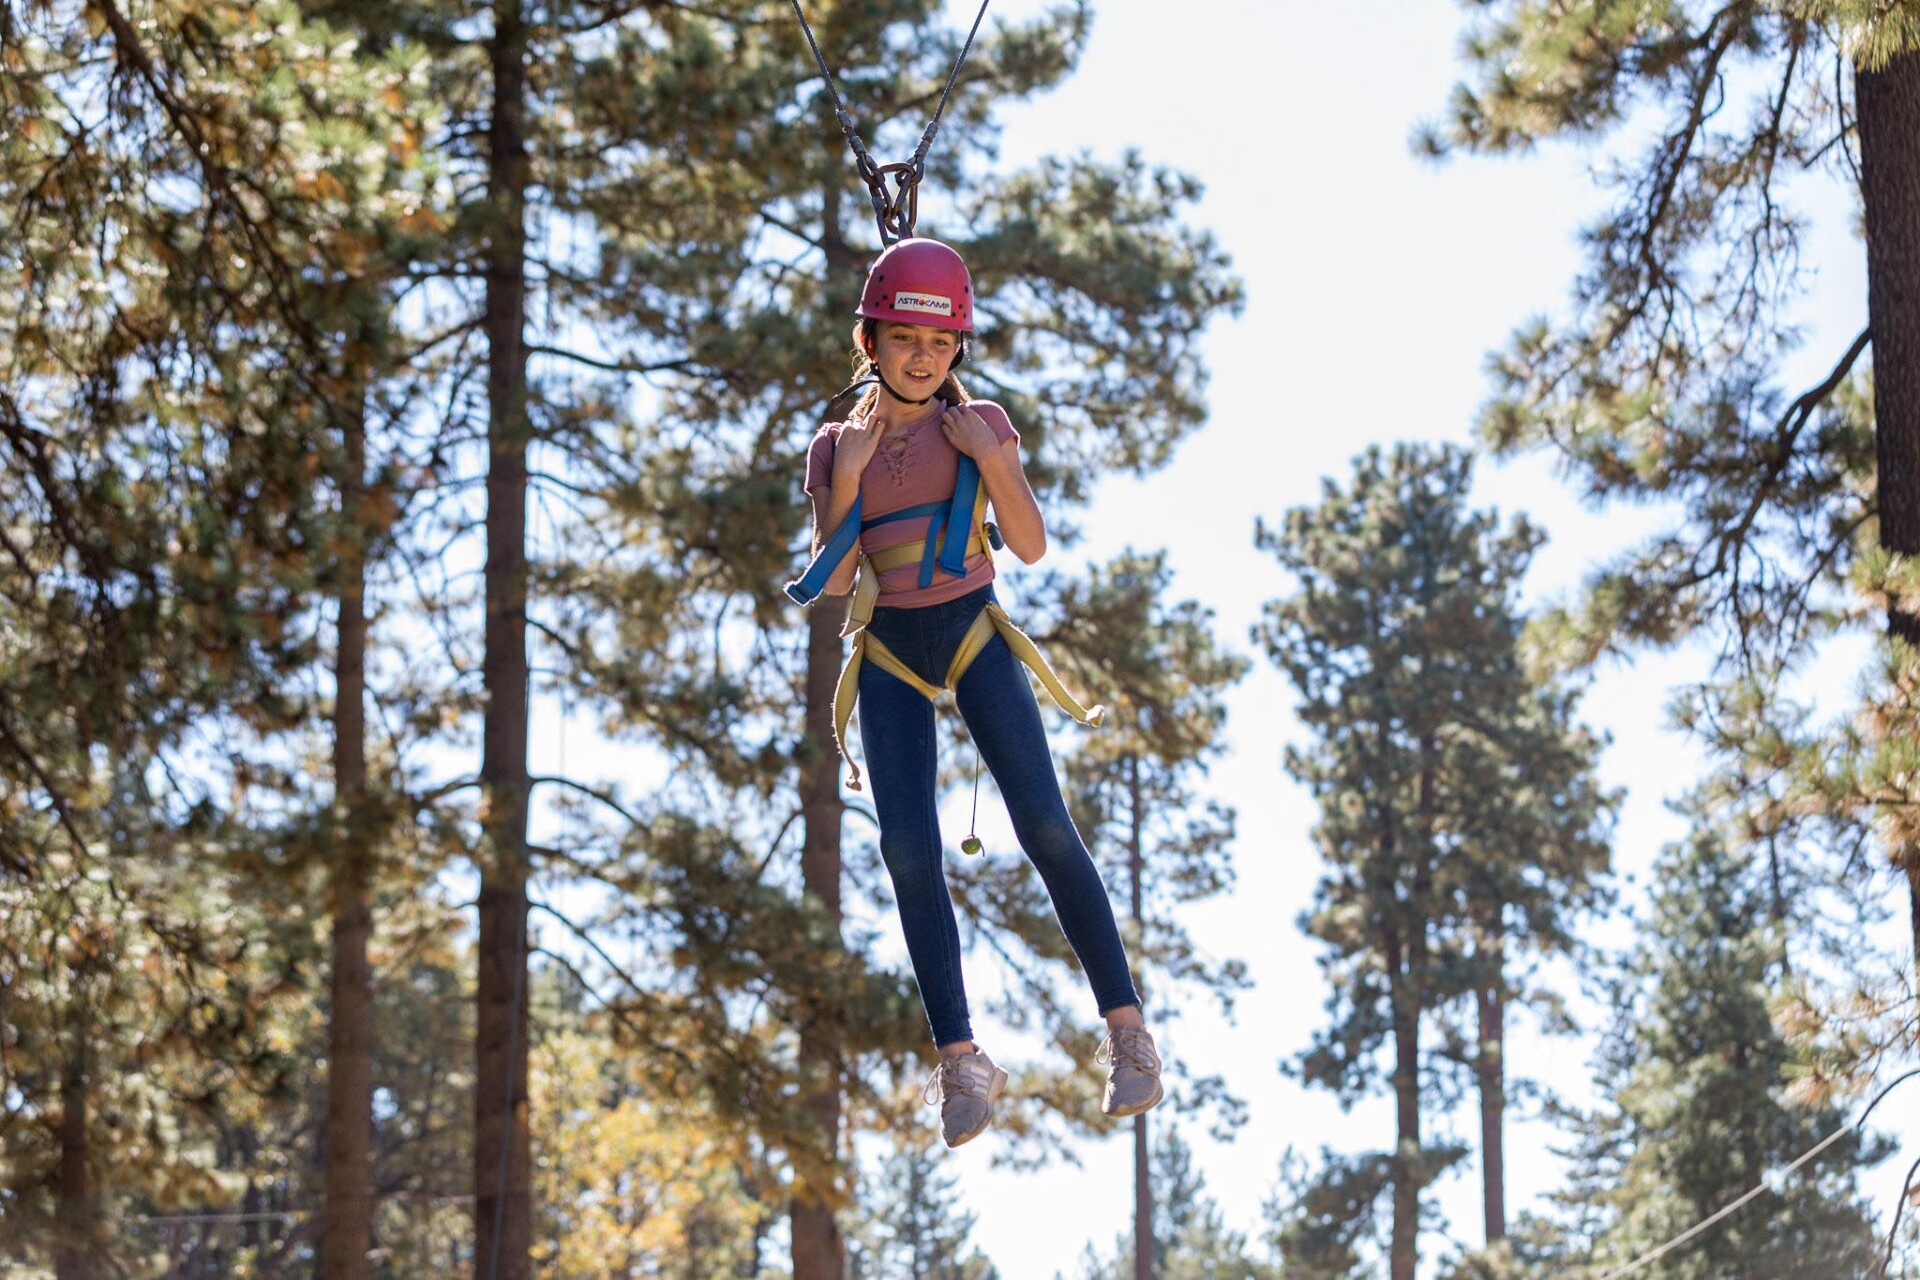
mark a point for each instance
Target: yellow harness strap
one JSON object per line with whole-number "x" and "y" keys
{"x": 866, "y": 583}
{"x": 992, "y": 620}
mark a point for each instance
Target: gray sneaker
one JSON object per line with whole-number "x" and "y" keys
{"x": 965, "y": 1088}
{"x": 1133, "y": 1072}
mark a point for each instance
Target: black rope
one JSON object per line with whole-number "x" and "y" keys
{"x": 895, "y": 211}
{"x": 933, "y": 125}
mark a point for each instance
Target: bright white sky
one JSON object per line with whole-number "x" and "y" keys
{"x": 1377, "y": 284}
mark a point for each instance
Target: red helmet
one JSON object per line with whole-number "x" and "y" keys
{"x": 920, "y": 282}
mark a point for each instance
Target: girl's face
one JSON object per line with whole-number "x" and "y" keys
{"x": 914, "y": 357}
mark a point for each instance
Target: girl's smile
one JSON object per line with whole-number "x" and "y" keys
{"x": 913, "y": 359}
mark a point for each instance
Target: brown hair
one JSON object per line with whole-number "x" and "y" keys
{"x": 864, "y": 331}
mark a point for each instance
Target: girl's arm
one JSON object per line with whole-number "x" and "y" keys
{"x": 831, "y": 504}
{"x": 1015, "y": 509}
{"x": 833, "y": 501}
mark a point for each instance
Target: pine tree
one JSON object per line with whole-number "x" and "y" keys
{"x": 1132, "y": 791}
{"x": 171, "y": 367}
{"x": 740, "y": 304}
{"x": 908, "y": 1223}
{"x": 1666, "y": 379}
{"x": 1190, "y": 1239}
{"x": 1697, "y": 1079}
{"x": 1540, "y": 857}
{"x": 535, "y": 123}
{"x": 1319, "y": 1219}
{"x": 1447, "y": 784}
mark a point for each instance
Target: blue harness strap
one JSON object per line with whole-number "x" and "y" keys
{"x": 958, "y": 520}
{"x": 808, "y": 586}
{"x": 947, "y": 526}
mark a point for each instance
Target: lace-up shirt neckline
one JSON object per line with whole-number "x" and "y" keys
{"x": 900, "y": 445}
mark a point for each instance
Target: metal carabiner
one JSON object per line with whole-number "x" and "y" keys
{"x": 899, "y": 209}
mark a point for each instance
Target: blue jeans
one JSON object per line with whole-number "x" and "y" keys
{"x": 995, "y": 700}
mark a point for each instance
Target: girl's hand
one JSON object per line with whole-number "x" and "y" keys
{"x": 968, "y": 432}
{"x": 854, "y": 449}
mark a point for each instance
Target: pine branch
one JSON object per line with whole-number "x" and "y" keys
{"x": 54, "y": 797}
{"x": 604, "y": 797}
{"x": 225, "y": 185}
{"x": 420, "y": 350}
{"x": 611, "y": 366}
{"x": 1786, "y": 435}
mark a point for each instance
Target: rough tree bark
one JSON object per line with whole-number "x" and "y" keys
{"x": 348, "y": 1230}
{"x": 1889, "y": 115}
{"x": 502, "y": 1170}
{"x": 1143, "y": 1244}
{"x": 1405, "y": 1251}
{"x": 818, "y": 1250}
{"x": 1491, "y": 1068}
{"x": 1407, "y": 972}
{"x": 74, "y": 1226}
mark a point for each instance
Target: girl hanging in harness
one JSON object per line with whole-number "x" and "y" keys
{"x": 899, "y": 491}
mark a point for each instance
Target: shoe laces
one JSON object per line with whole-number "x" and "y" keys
{"x": 1128, "y": 1047}
{"x": 967, "y": 1074}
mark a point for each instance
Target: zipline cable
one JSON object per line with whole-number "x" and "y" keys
{"x": 1766, "y": 1184}
{"x": 894, "y": 212}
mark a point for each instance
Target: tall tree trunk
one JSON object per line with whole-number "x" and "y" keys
{"x": 818, "y": 1251}
{"x": 348, "y": 1230}
{"x": 502, "y": 1170}
{"x": 1408, "y": 996}
{"x": 1490, "y": 1065}
{"x": 1889, "y": 115}
{"x": 1144, "y": 1252}
{"x": 74, "y": 1226}
{"x": 1405, "y": 1252}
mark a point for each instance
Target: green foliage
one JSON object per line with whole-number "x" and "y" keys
{"x": 190, "y": 191}
{"x": 908, "y": 1223}
{"x": 1320, "y": 1220}
{"x": 1662, "y": 382}
{"x": 169, "y": 361}
{"x": 1872, "y": 33}
{"x": 1449, "y": 785}
{"x": 726, "y": 263}
{"x": 1191, "y": 1240}
{"x": 1699, "y": 1106}
{"x": 234, "y": 225}
{"x": 1460, "y": 821}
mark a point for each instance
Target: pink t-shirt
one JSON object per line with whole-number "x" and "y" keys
{"x": 914, "y": 464}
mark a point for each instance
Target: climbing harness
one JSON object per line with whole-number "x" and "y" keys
{"x": 894, "y": 210}
{"x": 957, "y": 529}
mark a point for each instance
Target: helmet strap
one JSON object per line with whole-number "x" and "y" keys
{"x": 882, "y": 380}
